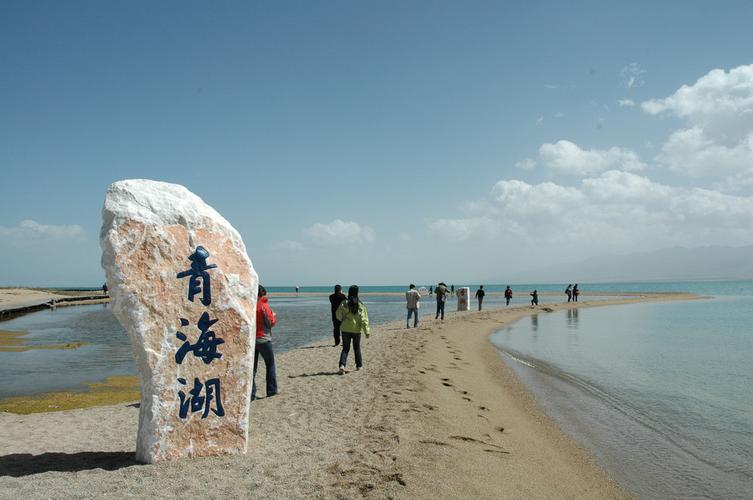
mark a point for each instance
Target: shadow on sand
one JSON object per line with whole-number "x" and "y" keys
{"x": 26, "y": 464}
{"x": 318, "y": 374}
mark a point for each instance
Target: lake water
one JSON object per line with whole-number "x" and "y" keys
{"x": 661, "y": 392}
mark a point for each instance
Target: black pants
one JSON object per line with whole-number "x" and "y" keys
{"x": 480, "y": 300}
{"x": 507, "y": 301}
{"x": 268, "y": 355}
{"x": 336, "y": 330}
{"x": 356, "y": 338}
{"x": 440, "y": 309}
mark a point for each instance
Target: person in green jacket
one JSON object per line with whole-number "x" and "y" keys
{"x": 354, "y": 320}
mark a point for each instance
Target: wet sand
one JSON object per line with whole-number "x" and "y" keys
{"x": 435, "y": 413}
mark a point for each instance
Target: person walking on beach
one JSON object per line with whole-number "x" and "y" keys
{"x": 104, "y": 288}
{"x": 534, "y": 298}
{"x": 576, "y": 292}
{"x": 335, "y": 300}
{"x": 508, "y": 295}
{"x": 569, "y": 292}
{"x": 441, "y": 293}
{"x": 297, "y": 288}
{"x": 354, "y": 321}
{"x": 265, "y": 320}
{"x": 480, "y": 295}
{"x": 412, "y": 303}
{"x": 431, "y": 289}
{"x": 452, "y": 289}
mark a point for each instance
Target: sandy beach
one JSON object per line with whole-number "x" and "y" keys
{"x": 435, "y": 413}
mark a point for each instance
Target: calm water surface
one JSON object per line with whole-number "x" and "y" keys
{"x": 662, "y": 392}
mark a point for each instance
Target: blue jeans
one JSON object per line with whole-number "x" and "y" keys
{"x": 440, "y": 308}
{"x": 265, "y": 349}
{"x": 412, "y": 312}
{"x": 346, "y": 338}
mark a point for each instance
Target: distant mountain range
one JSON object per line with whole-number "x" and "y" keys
{"x": 667, "y": 264}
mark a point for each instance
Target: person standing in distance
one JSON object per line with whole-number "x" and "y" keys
{"x": 569, "y": 292}
{"x": 412, "y": 303}
{"x": 441, "y": 293}
{"x": 534, "y": 298}
{"x": 354, "y": 321}
{"x": 576, "y": 292}
{"x": 335, "y": 300}
{"x": 480, "y": 295}
{"x": 508, "y": 295}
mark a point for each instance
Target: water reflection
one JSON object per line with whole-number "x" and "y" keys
{"x": 534, "y": 327}
{"x": 572, "y": 318}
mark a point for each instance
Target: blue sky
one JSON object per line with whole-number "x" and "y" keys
{"x": 380, "y": 142}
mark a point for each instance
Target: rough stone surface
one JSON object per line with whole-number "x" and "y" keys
{"x": 463, "y": 294}
{"x": 149, "y": 231}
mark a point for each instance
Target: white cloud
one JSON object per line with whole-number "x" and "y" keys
{"x": 626, "y": 103}
{"x": 527, "y": 164}
{"x": 614, "y": 210}
{"x": 631, "y": 75}
{"x": 694, "y": 153}
{"x": 717, "y": 141}
{"x": 552, "y": 86}
{"x": 568, "y": 158}
{"x": 539, "y": 120}
{"x": 30, "y": 231}
{"x": 339, "y": 232}
{"x": 559, "y": 114}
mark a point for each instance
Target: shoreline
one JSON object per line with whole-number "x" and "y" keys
{"x": 435, "y": 411}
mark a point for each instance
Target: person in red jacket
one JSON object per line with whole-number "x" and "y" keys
{"x": 265, "y": 320}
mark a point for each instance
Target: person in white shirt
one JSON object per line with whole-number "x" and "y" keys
{"x": 412, "y": 302}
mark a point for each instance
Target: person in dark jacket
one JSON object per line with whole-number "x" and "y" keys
{"x": 508, "y": 295}
{"x": 480, "y": 293}
{"x": 335, "y": 300}
{"x": 534, "y": 298}
{"x": 569, "y": 292}
{"x": 441, "y": 292}
{"x": 265, "y": 320}
{"x": 576, "y": 292}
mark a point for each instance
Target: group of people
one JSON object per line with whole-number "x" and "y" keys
{"x": 572, "y": 293}
{"x": 350, "y": 320}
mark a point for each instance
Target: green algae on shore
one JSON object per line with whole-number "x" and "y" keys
{"x": 11, "y": 341}
{"x": 114, "y": 390}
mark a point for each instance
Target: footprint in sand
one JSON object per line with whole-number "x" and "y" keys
{"x": 435, "y": 442}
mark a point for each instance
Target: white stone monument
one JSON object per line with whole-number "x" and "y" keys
{"x": 185, "y": 290}
{"x": 463, "y": 303}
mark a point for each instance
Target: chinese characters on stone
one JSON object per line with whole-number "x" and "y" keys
{"x": 199, "y": 268}
{"x": 205, "y": 347}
